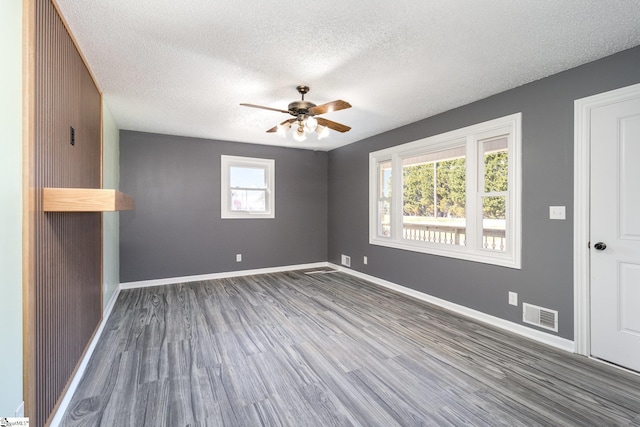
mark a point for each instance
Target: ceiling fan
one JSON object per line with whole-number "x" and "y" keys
{"x": 304, "y": 113}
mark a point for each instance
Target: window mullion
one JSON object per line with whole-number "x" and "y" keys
{"x": 472, "y": 195}
{"x": 396, "y": 198}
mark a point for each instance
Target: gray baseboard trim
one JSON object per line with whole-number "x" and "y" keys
{"x": 223, "y": 275}
{"x": 542, "y": 337}
{"x": 73, "y": 385}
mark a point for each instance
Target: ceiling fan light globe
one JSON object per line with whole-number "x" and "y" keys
{"x": 311, "y": 123}
{"x": 322, "y": 131}
{"x": 299, "y": 136}
{"x": 282, "y": 129}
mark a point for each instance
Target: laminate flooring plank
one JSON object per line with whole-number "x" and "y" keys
{"x": 154, "y": 404}
{"x": 512, "y": 412}
{"x": 285, "y": 367}
{"x": 552, "y": 395}
{"x": 241, "y": 382}
{"x": 120, "y": 407}
{"x": 358, "y": 403}
{"x": 296, "y": 349}
{"x": 206, "y": 408}
{"x": 245, "y": 334}
{"x": 214, "y": 315}
{"x": 263, "y": 413}
{"x": 602, "y": 386}
{"x": 550, "y": 410}
{"x": 388, "y": 395}
{"x": 289, "y": 391}
{"x": 100, "y": 371}
{"x": 221, "y": 398}
{"x": 178, "y": 313}
{"x": 205, "y": 347}
{"x": 86, "y": 412}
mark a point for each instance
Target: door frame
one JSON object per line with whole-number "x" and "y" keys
{"x": 581, "y": 208}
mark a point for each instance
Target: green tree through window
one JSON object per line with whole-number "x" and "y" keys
{"x": 447, "y": 178}
{"x": 495, "y": 180}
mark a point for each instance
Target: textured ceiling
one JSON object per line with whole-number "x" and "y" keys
{"x": 183, "y": 67}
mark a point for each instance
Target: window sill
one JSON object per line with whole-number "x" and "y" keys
{"x": 451, "y": 251}
{"x": 246, "y": 215}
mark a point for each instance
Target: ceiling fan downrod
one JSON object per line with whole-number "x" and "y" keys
{"x": 302, "y": 90}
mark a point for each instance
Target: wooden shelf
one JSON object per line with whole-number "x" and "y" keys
{"x": 85, "y": 200}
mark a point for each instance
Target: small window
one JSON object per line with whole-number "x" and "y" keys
{"x": 247, "y": 187}
{"x": 456, "y": 194}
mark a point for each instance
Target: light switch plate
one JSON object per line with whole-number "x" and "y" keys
{"x": 513, "y": 298}
{"x": 557, "y": 212}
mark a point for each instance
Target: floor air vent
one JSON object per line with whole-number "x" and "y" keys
{"x": 542, "y": 317}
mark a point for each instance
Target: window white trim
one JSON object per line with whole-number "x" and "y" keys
{"x": 227, "y": 162}
{"x": 469, "y": 137}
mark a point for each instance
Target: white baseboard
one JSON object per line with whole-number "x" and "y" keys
{"x": 545, "y": 338}
{"x": 73, "y": 385}
{"x": 223, "y": 275}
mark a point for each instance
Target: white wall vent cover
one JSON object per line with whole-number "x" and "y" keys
{"x": 542, "y": 317}
{"x": 346, "y": 260}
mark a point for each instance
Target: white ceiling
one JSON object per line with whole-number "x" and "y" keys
{"x": 183, "y": 67}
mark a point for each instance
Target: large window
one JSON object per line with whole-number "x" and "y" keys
{"x": 247, "y": 187}
{"x": 455, "y": 194}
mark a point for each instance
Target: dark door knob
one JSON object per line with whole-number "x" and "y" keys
{"x": 600, "y": 246}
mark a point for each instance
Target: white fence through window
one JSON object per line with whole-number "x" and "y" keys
{"x": 492, "y": 239}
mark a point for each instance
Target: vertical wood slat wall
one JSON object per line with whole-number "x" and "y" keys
{"x": 65, "y": 292}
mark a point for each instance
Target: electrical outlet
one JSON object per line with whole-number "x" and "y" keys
{"x": 557, "y": 212}
{"x": 346, "y": 260}
{"x": 513, "y": 298}
{"x": 238, "y": 257}
{"x": 365, "y": 260}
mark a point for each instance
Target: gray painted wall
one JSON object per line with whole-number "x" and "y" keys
{"x": 176, "y": 230}
{"x": 546, "y": 277}
{"x": 11, "y": 212}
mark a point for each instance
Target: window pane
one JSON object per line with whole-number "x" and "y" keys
{"x": 247, "y": 177}
{"x": 384, "y": 199}
{"x": 452, "y": 188}
{"x": 496, "y": 164}
{"x": 248, "y": 200}
{"x": 384, "y": 180}
{"x": 418, "y": 190}
{"x": 434, "y": 197}
{"x": 384, "y": 218}
{"x": 494, "y": 223}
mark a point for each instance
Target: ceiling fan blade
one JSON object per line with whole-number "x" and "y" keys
{"x": 332, "y": 125}
{"x": 275, "y": 128}
{"x": 265, "y": 108}
{"x": 336, "y": 105}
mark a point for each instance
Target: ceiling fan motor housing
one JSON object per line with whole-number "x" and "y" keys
{"x": 297, "y": 108}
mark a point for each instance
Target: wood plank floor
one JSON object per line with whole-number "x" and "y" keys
{"x": 294, "y": 349}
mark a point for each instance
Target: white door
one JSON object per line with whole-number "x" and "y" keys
{"x": 615, "y": 233}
